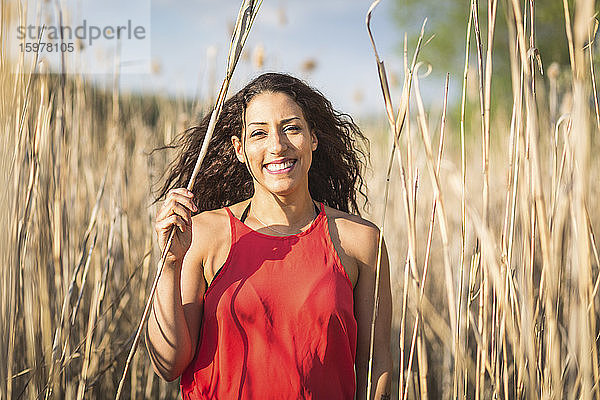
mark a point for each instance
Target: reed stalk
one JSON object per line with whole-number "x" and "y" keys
{"x": 247, "y": 14}
{"x": 428, "y": 246}
{"x": 78, "y": 245}
{"x": 396, "y": 127}
{"x": 458, "y": 361}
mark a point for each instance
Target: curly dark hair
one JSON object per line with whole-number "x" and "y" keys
{"x": 334, "y": 177}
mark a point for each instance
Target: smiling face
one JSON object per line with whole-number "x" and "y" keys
{"x": 278, "y": 143}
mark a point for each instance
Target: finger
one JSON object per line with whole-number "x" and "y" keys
{"x": 181, "y": 199}
{"x": 177, "y": 201}
{"x": 187, "y": 202}
{"x": 164, "y": 226}
{"x": 179, "y": 209}
{"x": 176, "y": 221}
{"x": 183, "y": 212}
{"x": 182, "y": 191}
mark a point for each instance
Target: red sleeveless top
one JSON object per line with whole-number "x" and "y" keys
{"x": 278, "y": 321}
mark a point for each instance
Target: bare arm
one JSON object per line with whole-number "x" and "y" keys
{"x": 174, "y": 323}
{"x": 363, "y": 309}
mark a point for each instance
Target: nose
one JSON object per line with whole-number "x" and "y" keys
{"x": 277, "y": 142}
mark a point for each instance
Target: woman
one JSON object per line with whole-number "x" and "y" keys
{"x": 267, "y": 291}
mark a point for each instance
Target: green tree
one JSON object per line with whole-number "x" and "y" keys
{"x": 447, "y": 19}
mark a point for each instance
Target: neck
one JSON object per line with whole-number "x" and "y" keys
{"x": 286, "y": 211}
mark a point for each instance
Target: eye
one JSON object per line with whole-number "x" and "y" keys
{"x": 257, "y": 133}
{"x": 291, "y": 128}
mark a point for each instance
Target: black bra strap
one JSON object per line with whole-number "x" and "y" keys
{"x": 245, "y": 213}
{"x": 247, "y": 209}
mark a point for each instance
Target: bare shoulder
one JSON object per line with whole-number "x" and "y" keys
{"x": 210, "y": 233}
{"x": 357, "y": 236}
{"x": 211, "y": 237}
{"x": 210, "y": 223}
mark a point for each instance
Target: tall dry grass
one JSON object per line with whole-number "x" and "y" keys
{"x": 77, "y": 242}
{"x": 491, "y": 232}
{"x": 520, "y": 190}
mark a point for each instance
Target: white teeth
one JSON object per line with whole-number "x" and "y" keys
{"x": 280, "y": 166}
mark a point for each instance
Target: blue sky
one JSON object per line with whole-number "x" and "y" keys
{"x": 181, "y": 34}
{"x": 332, "y": 33}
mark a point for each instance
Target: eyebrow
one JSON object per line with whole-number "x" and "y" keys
{"x": 283, "y": 121}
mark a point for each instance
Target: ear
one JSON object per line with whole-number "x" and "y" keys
{"x": 237, "y": 147}
{"x": 314, "y": 140}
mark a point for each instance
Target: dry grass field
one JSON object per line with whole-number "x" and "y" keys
{"x": 491, "y": 235}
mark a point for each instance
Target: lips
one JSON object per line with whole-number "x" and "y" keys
{"x": 280, "y": 166}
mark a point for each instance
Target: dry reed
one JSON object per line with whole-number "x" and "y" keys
{"x": 500, "y": 300}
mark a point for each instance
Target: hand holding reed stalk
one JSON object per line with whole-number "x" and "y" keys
{"x": 245, "y": 19}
